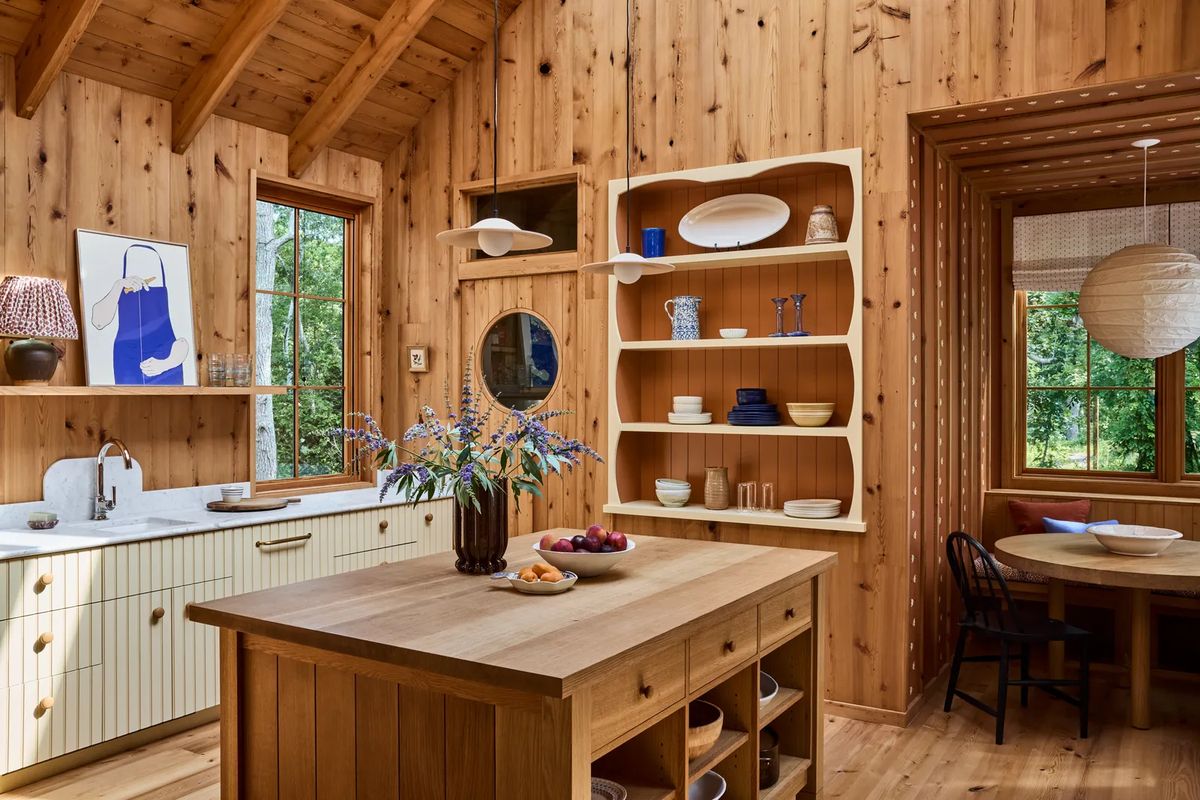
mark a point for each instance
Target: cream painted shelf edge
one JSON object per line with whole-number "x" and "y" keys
{"x": 777, "y": 519}
{"x": 851, "y": 249}
{"x": 734, "y": 430}
{"x": 735, "y": 344}
{"x": 150, "y": 391}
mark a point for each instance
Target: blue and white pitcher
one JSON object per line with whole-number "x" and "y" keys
{"x": 685, "y": 318}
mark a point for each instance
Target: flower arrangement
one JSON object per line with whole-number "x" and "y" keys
{"x": 464, "y": 455}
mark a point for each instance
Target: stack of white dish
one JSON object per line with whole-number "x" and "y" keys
{"x": 689, "y": 410}
{"x": 673, "y": 493}
{"x": 812, "y": 509}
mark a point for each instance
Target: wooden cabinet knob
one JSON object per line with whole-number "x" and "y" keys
{"x": 646, "y": 691}
{"x": 44, "y": 705}
{"x": 789, "y": 614}
{"x": 43, "y": 640}
{"x": 730, "y": 646}
{"x": 383, "y": 525}
{"x": 43, "y": 582}
{"x": 157, "y": 614}
{"x": 428, "y": 519}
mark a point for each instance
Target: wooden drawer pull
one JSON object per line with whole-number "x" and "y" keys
{"x": 43, "y": 582}
{"x": 789, "y": 614}
{"x": 730, "y": 646}
{"x": 646, "y": 692}
{"x": 429, "y": 519}
{"x": 43, "y": 706}
{"x": 383, "y": 525}
{"x": 157, "y": 614}
{"x": 287, "y": 540}
{"x": 42, "y": 641}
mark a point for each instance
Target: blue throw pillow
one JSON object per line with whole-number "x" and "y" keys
{"x": 1066, "y": 526}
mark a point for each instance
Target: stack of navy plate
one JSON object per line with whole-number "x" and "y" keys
{"x": 753, "y": 409}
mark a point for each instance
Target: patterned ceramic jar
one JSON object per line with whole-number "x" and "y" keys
{"x": 822, "y": 226}
{"x": 684, "y": 313}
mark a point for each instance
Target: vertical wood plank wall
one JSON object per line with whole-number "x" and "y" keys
{"x": 718, "y": 82}
{"x": 99, "y": 157}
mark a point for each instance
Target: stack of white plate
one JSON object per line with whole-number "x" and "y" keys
{"x": 812, "y": 509}
{"x": 689, "y": 410}
{"x": 702, "y": 418}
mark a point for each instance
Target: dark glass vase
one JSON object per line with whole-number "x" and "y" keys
{"x": 481, "y": 536}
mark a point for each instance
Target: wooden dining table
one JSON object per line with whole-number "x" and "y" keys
{"x": 1080, "y": 558}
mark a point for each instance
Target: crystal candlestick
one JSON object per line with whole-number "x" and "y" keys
{"x": 779, "y": 302}
{"x": 798, "y": 299}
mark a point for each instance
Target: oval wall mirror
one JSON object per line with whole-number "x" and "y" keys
{"x": 518, "y": 360}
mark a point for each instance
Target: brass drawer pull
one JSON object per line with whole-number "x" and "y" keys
{"x": 42, "y": 641}
{"x": 789, "y": 614}
{"x": 157, "y": 614}
{"x": 730, "y": 646}
{"x": 383, "y": 525}
{"x": 287, "y": 540}
{"x": 646, "y": 691}
{"x": 43, "y": 706}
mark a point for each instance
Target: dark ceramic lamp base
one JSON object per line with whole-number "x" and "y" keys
{"x": 30, "y": 362}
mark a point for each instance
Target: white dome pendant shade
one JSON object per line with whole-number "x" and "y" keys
{"x": 628, "y": 267}
{"x": 1143, "y": 301}
{"x": 494, "y": 236}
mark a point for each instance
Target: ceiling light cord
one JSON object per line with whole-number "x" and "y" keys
{"x": 495, "y": 107}
{"x": 1145, "y": 184}
{"x": 628, "y": 122}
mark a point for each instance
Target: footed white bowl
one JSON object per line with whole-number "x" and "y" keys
{"x": 585, "y": 565}
{"x": 1134, "y": 540}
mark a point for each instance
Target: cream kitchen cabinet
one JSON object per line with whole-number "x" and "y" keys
{"x": 97, "y": 645}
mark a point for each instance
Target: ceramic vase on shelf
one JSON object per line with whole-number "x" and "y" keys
{"x": 481, "y": 536}
{"x": 684, "y": 313}
{"x": 822, "y": 226}
{"x": 716, "y": 488}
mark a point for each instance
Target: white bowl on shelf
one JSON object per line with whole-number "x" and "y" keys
{"x": 709, "y": 786}
{"x": 691, "y": 399}
{"x": 688, "y": 408}
{"x": 1134, "y": 540}
{"x": 671, "y": 483}
{"x": 585, "y": 565}
{"x": 673, "y": 497}
{"x": 689, "y": 419}
{"x": 733, "y": 333}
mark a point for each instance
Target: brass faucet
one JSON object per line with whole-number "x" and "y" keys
{"x": 102, "y": 506}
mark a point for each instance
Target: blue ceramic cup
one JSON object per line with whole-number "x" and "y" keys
{"x": 654, "y": 242}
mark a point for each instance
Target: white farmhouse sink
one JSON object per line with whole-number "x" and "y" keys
{"x": 121, "y": 527}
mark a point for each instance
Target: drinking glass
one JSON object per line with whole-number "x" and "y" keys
{"x": 216, "y": 369}
{"x": 747, "y": 496}
{"x": 768, "y": 496}
{"x": 241, "y": 369}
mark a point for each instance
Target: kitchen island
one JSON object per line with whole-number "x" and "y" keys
{"x": 411, "y": 680}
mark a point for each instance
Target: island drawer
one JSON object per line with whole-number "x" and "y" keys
{"x": 718, "y": 649}
{"x": 781, "y": 616}
{"x": 635, "y": 691}
{"x": 47, "y": 583}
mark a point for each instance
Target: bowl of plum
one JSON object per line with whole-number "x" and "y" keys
{"x": 588, "y": 554}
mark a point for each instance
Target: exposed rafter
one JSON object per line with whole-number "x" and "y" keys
{"x": 394, "y": 32}
{"x": 208, "y": 83}
{"x": 47, "y": 47}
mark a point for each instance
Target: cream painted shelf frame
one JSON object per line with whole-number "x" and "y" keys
{"x": 850, "y": 250}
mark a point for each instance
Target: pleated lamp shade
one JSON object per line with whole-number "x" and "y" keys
{"x": 35, "y": 308}
{"x": 1143, "y": 301}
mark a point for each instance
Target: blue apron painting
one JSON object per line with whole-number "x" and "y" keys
{"x": 146, "y": 349}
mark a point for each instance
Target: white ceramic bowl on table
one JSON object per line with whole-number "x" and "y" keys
{"x": 542, "y": 587}
{"x": 585, "y": 565}
{"x": 1134, "y": 540}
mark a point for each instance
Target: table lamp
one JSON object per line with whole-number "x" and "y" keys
{"x": 33, "y": 309}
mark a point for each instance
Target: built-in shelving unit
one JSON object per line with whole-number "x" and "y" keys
{"x": 647, "y": 367}
{"x": 138, "y": 391}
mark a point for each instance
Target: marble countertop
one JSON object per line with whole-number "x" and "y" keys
{"x": 132, "y": 525}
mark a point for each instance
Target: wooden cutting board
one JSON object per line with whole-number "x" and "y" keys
{"x": 253, "y": 504}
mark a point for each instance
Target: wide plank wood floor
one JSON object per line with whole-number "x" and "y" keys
{"x": 938, "y": 756}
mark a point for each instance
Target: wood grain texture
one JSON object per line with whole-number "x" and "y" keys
{"x": 46, "y": 48}
{"x": 1082, "y": 559}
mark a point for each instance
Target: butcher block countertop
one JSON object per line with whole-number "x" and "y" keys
{"x": 424, "y": 615}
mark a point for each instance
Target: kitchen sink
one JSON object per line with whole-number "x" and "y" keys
{"x": 139, "y": 525}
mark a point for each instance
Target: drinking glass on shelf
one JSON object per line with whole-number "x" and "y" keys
{"x": 241, "y": 369}
{"x": 747, "y": 496}
{"x": 768, "y": 496}
{"x": 216, "y": 369}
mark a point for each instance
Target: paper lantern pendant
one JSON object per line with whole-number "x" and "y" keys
{"x": 1143, "y": 301}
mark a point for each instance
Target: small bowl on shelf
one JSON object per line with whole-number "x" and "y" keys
{"x": 674, "y": 497}
{"x": 810, "y": 415}
{"x": 709, "y": 786}
{"x": 1134, "y": 540}
{"x": 671, "y": 483}
{"x": 733, "y": 333}
{"x": 704, "y": 727}
{"x": 584, "y": 564}
{"x": 751, "y": 396}
{"x": 768, "y": 687}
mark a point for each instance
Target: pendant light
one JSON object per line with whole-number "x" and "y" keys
{"x": 495, "y": 235}
{"x": 1143, "y": 301}
{"x": 628, "y": 266}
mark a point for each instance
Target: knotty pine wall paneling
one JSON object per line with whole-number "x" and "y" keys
{"x": 718, "y": 82}
{"x": 99, "y": 157}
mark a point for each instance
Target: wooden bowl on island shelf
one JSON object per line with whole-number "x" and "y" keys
{"x": 704, "y": 727}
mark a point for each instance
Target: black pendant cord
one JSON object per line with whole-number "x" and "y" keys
{"x": 628, "y": 121}
{"x": 495, "y": 106}
{"x": 1145, "y": 184}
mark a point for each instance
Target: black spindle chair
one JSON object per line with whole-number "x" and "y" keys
{"x": 988, "y": 611}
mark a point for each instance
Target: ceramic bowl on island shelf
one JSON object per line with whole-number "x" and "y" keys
{"x": 608, "y": 790}
{"x": 709, "y": 786}
{"x": 733, "y": 333}
{"x": 1134, "y": 540}
{"x": 588, "y": 554}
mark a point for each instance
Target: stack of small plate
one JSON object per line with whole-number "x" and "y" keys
{"x": 689, "y": 410}
{"x": 812, "y": 509}
{"x": 754, "y": 414}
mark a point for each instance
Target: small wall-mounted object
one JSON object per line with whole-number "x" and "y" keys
{"x": 33, "y": 309}
{"x": 418, "y": 358}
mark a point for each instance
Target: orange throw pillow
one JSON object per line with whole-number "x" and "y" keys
{"x": 1027, "y": 514}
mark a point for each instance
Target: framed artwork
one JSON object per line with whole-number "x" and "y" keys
{"x": 136, "y": 304}
{"x": 418, "y": 358}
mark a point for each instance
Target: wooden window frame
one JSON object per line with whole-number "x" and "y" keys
{"x": 358, "y": 211}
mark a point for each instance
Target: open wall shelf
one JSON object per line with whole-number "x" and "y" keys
{"x": 647, "y": 368}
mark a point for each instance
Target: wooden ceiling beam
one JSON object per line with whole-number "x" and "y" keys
{"x": 47, "y": 47}
{"x": 212, "y": 78}
{"x": 369, "y": 63}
